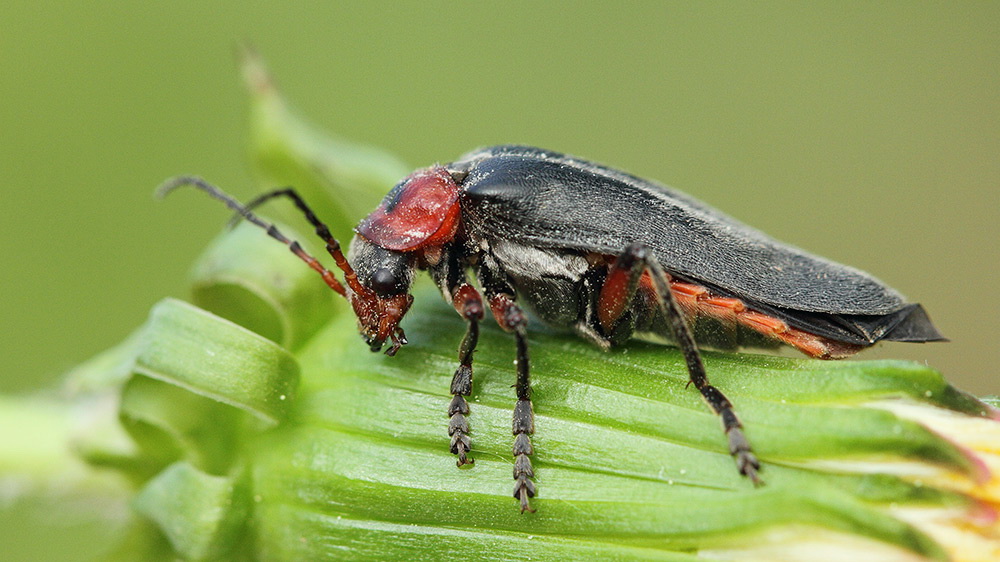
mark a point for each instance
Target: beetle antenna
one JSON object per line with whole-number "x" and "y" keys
{"x": 253, "y": 204}
{"x": 273, "y": 232}
{"x": 332, "y": 245}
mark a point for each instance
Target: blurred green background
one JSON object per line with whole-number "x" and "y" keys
{"x": 867, "y": 133}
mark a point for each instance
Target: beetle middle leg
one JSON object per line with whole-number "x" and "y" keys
{"x": 618, "y": 292}
{"x": 511, "y": 318}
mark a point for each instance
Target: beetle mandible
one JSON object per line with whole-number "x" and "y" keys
{"x": 598, "y": 251}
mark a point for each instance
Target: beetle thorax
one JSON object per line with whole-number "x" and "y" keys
{"x": 420, "y": 211}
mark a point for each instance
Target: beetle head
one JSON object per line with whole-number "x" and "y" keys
{"x": 421, "y": 211}
{"x": 381, "y": 296}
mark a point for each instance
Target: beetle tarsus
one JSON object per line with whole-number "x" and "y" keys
{"x": 523, "y": 426}
{"x": 458, "y": 429}
{"x": 524, "y": 489}
{"x": 458, "y": 409}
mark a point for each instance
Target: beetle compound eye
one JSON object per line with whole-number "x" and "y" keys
{"x": 385, "y": 283}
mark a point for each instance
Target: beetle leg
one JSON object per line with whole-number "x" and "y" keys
{"x": 511, "y": 318}
{"x": 618, "y": 290}
{"x": 739, "y": 446}
{"x": 469, "y": 304}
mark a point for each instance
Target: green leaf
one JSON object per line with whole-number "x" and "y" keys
{"x": 187, "y": 347}
{"x": 198, "y": 377}
{"x": 51, "y": 501}
{"x": 624, "y": 453}
{"x": 200, "y": 514}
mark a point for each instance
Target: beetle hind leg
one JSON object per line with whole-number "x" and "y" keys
{"x": 624, "y": 277}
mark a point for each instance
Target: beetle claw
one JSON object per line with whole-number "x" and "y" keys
{"x": 746, "y": 461}
{"x": 398, "y": 341}
{"x": 524, "y": 489}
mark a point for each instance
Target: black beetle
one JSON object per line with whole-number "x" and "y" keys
{"x": 599, "y": 251}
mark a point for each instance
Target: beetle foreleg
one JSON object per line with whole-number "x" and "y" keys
{"x": 469, "y": 304}
{"x": 739, "y": 446}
